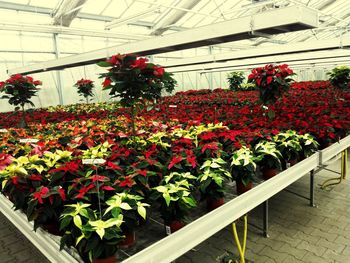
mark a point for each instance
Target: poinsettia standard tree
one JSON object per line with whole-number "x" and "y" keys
{"x": 19, "y": 90}
{"x": 85, "y": 87}
{"x": 133, "y": 79}
{"x": 272, "y": 81}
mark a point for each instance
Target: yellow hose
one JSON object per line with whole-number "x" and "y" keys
{"x": 241, "y": 248}
{"x": 343, "y": 171}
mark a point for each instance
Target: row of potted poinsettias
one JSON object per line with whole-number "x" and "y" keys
{"x": 96, "y": 206}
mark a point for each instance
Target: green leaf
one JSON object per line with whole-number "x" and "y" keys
{"x": 79, "y": 239}
{"x": 77, "y": 221}
{"x": 3, "y": 184}
{"x": 65, "y": 222}
{"x": 215, "y": 165}
{"x": 167, "y": 198}
{"x": 142, "y": 211}
{"x": 84, "y": 213}
{"x": 125, "y": 206}
{"x": 271, "y": 114}
{"x": 190, "y": 201}
{"x": 101, "y": 232}
{"x": 104, "y": 64}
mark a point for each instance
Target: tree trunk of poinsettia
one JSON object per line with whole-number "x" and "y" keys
{"x": 23, "y": 122}
{"x": 133, "y": 129}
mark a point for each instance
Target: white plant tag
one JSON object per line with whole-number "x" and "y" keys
{"x": 172, "y": 106}
{"x": 288, "y": 165}
{"x": 168, "y": 230}
{"x": 3, "y": 130}
{"x": 93, "y": 161}
{"x": 28, "y": 140}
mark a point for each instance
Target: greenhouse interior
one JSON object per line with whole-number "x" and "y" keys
{"x": 187, "y": 131}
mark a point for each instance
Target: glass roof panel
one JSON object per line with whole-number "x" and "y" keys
{"x": 95, "y": 7}
{"x": 42, "y": 3}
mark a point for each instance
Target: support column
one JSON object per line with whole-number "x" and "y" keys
{"x": 266, "y": 218}
{"x": 312, "y": 188}
{"x": 210, "y": 74}
{"x": 58, "y": 73}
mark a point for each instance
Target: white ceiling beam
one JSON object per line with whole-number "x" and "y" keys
{"x": 291, "y": 59}
{"x": 68, "y": 31}
{"x": 24, "y": 8}
{"x": 87, "y": 16}
{"x": 132, "y": 18}
{"x": 263, "y": 51}
{"x": 174, "y": 16}
{"x": 67, "y": 12}
{"x": 175, "y": 7}
{"x": 272, "y": 22}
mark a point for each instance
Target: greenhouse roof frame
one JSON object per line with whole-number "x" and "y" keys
{"x": 271, "y": 22}
{"x": 249, "y": 63}
{"x": 329, "y": 44}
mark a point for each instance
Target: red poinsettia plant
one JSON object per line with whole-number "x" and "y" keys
{"x": 19, "y": 90}
{"x": 133, "y": 79}
{"x": 85, "y": 87}
{"x": 272, "y": 81}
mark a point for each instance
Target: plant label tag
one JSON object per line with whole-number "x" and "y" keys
{"x": 28, "y": 140}
{"x": 3, "y": 130}
{"x": 172, "y": 106}
{"x": 288, "y": 165}
{"x": 168, "y": 230}
{"x": 93, "y": 161}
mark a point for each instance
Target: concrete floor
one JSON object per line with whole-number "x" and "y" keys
{"x": 298, "y": 232}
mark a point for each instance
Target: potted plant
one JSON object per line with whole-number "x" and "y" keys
{"x": 85, "y": 87}
{"x": 211, "y": 178}
{"x": 14, "y": 183}
{"x": 133, "y": 79}
{"x": 133, "y": 210}
{"x": 44, "y": 208}
{"x": 269, "y": 158}
{"x": 243, "y": 169}
{"x": 308, "y": 144}
{"x": 235, "y": 80}
{"x": 340, "y": 77}
{"x": 175, "y": 196}
{"x": 94, "y": 233}
{"x": 289, "y": 146}
{"x": 272, "y": 81}
{"x": 19, "y": 90}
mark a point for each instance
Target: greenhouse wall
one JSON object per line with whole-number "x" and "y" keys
{"x": 28, "y": 48}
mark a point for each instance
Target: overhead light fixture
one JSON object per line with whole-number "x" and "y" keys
{"x": 132, "y": 18}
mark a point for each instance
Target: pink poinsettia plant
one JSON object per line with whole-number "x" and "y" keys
{"x": 85, "y": 87}
{"x": 272, "y": 81}
{"x": 19, "y": 89}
